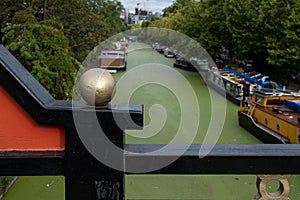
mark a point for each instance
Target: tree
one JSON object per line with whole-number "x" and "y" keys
{"x": 212, "y": 31}
{"x": 202, "y": 21}
{"x": 247, "y": 30}
{"x": 86, "y": 23}
{"x": 44, "y": 51}
{"x": 177, "y": 5}
{"x": 282, "y": 25}
{"x": 266, "y": 31}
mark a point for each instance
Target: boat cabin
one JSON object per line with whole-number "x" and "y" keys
{"x": 235, "y": 87}
{"x": 278, "y": 111}
{"x": 112, "y": 60}
{"x": 270, "y": 98}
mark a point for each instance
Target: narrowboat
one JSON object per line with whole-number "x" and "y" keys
{"x": 113, "y": 60}
{"x": 273, "y": 116}
{"x": 256, "y": 78}
{"x": 235, "y": 87}
{"x": 182, "y": 63}
{"x": 200, "y": 64}
{"x": 159, "y": 48}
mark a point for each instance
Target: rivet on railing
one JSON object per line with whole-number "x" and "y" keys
{"x": 282, "y": 192}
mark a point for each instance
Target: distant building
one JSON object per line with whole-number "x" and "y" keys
{"x": 125, "y": 15}
{"x": 138, "y": 16}
{"x": 158, "y": 14}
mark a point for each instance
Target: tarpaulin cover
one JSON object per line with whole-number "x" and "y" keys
{"x": 293, "y": 104}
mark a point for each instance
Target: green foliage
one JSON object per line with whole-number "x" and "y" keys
{"x": 44, "y": 51}
{"x": 22, "y": 17}
{"x": 50, "y": 37}
{"x": 133, "y": 26}
{"x": 267, "y": 31}
{"x": 282, "y": 24}
{"x": 177, "y": 5}
{"x": 85, "y": 23}
{"x": 4, "y": 183}
{"x": 246, "y": 28}
{"x": 202, "y": 21}
{"x": 145, "y": 24}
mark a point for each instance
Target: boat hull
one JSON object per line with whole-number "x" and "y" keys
{"x": 117, "y": 68}
{"x": 221, "y": 91}
{"x": 264, "y": 134}
{"x": 186, "y": 67}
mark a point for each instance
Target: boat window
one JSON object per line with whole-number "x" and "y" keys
{"x": 221, "y": 82}
{"x": 214, "y": 78}
{"x": 275, "y": 102}
{"x": 259, "y": 99}
{"x": 239, "y": 89}
{"x": 227, "y": 86}
{"x": 232, "y": 88}
{"x": 298, "y": 138}
{"x": 278, "y": 127}
{"x": 210, "y": 76}
{"x": 266, "y": 121}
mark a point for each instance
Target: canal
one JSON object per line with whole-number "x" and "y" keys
{"x": 151, "y": 80}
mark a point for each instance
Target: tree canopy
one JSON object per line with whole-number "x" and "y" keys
{"x": 44, "y": 51}
{"x": 52, "y": 38}
{"x": 266, "y": 31}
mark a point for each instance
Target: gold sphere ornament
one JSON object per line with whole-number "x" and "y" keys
{"x": 97, "y": 87}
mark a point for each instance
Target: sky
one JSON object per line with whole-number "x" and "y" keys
{"x": 154, "y": 5}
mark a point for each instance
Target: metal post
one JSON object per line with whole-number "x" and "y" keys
{"x": 0, "y": 28}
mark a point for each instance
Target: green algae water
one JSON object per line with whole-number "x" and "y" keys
{"x": 154, "y": 93}
{"x": 215, "y": 187}
{"x": 37, "y": 188}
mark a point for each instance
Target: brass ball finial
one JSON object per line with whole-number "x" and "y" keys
{"x": 97, "y": 87}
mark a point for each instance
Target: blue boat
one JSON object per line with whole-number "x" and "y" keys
{"x": 256, "y": 78}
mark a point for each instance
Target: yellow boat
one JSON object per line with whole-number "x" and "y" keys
{"x": 273, "y": 116}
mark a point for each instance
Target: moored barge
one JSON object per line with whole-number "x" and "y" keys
{"x": 273, "y": 116}
{"x": 113, "y": 60}
{"x": 236, "y": 88}
{"x": 256, "y": 78}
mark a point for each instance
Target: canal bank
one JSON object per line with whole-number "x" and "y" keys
{"x": 161, "y": 102}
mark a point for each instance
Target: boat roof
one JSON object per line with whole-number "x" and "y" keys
{"x": 227, "y": 75}
{"x": 284, "y": 113}
{"x": 267, "y": 92}
{"x": 112, "y": 54}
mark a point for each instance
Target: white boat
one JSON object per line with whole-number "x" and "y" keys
{"x": 113, "y": 60}
{"x": 235, "y": 87}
